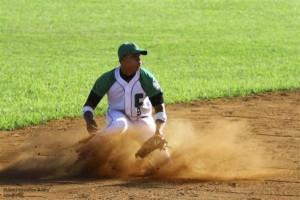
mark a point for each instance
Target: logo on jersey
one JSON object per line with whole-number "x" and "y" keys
{"x": 138, "y": 102}
{"x": 156, "y": 85}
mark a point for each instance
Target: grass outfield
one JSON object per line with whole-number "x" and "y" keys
{"x": 53, "y": 51}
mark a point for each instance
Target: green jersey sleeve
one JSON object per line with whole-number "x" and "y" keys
{"x": 104, "y": 82}
{"x": 149, "y": 83}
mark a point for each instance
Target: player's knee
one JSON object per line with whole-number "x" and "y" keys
{"x": 146, "y": 128}
{"x": 118, "y": 126}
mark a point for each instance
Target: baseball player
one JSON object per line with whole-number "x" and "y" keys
{"x": 132, "y": 92}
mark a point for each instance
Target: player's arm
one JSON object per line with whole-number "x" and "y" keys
{"x": 157, "y": 102}
{"x": 157, "y": 141}
{"x": 100, "y": 88}
{"x": 88, "y": 111}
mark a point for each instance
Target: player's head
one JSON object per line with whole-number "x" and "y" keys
{"x": 130, "y": 48}
{"x": 129, "y": 57}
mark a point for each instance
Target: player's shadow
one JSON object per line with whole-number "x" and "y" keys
{"x": 53, "y": 170}
{"x": 33, "y": 170}
{"x": 151, "y": 182}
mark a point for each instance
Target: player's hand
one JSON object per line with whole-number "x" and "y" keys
{"x": 157, "y": 141}
{"x": 91, "y": 126}
{"x": 159, "y": 132}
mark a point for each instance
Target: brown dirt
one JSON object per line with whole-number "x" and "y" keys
{"x": 239, "y": 148}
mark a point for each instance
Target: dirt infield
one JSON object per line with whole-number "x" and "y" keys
{"x": 239, "y": 148}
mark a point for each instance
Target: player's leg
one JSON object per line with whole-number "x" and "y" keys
{"x": 144, "y": 127}
{"x": 116, "y": 122}
{"x": 96, "y": 150}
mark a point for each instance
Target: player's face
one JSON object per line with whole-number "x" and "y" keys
{"x": 131, "y": 63}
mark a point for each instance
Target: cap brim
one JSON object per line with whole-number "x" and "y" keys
{"x": 141, "y": 51}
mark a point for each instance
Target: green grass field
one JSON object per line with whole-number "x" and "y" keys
{"x": 53, "y": 51}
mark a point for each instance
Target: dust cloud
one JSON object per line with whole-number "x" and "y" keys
{"x": 219, "y": 151}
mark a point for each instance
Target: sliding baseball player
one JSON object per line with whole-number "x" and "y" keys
{"x": 132, "y": 91}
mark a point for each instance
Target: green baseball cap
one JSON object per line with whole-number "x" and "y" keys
{"x": 129, "y": 47}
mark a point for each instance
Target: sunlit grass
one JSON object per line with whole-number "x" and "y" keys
{"x": 53, "y": 51}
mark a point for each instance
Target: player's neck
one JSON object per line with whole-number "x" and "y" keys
{"x": 126, "y": 77}
{"x": 126, "y": 72}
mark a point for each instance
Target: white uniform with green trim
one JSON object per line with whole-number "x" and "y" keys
{"x": 129, "y": 104}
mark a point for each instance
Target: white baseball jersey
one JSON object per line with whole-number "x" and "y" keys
{"x": 132, "y": 98}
